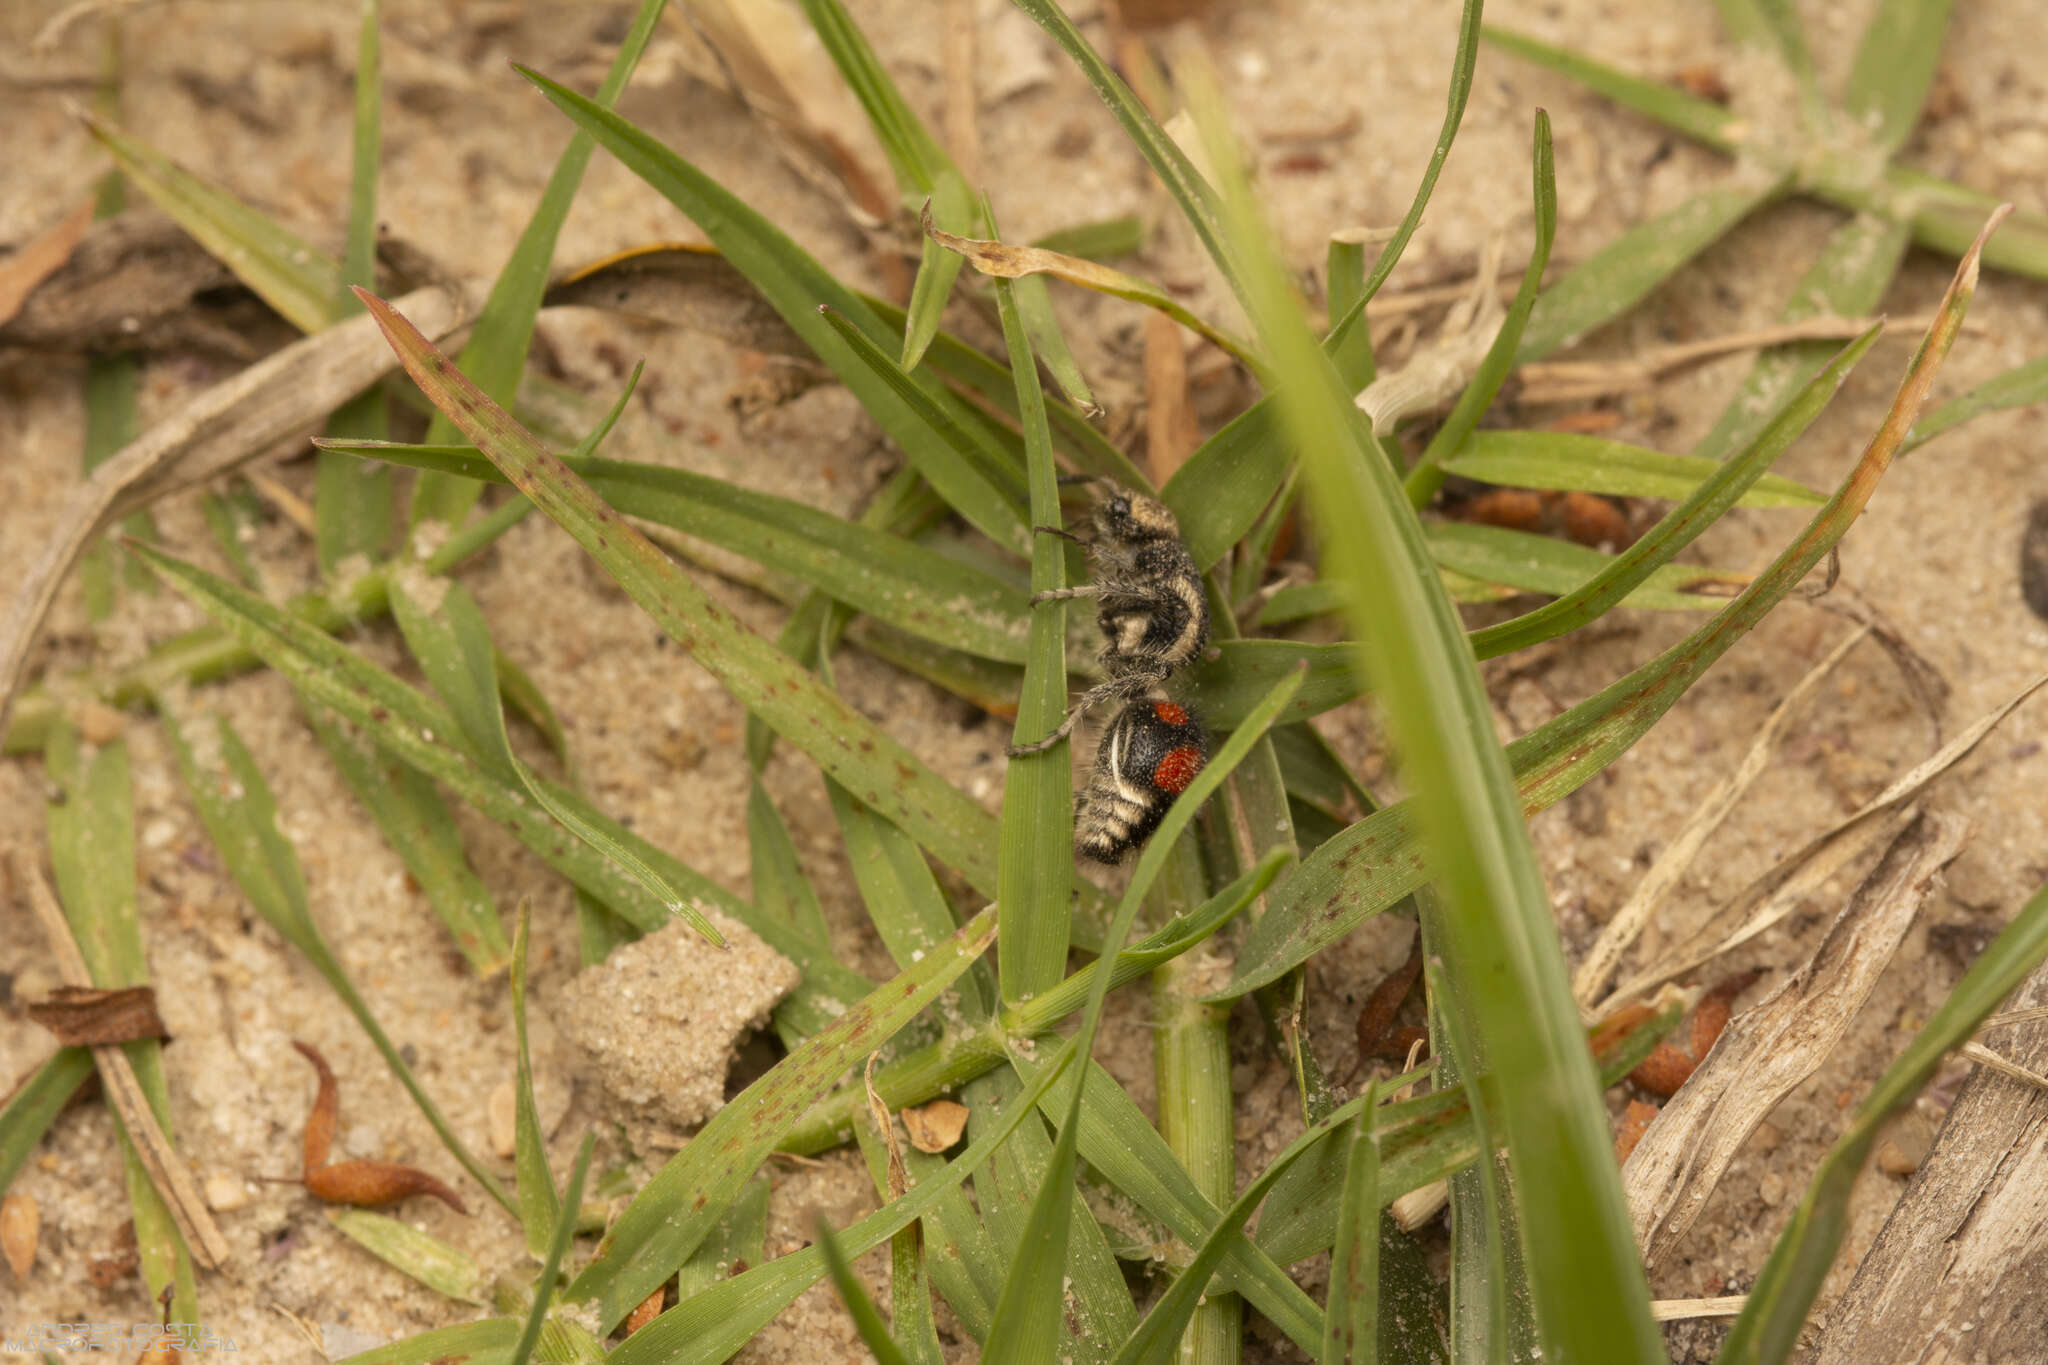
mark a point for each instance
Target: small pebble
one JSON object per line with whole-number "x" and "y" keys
{"x": 21, "y": 1222}
{"x": 1771, "y": 1189}
{"x": 225, "y": 1193}
{"x": 504, "y": 1111}
{"x": 1892, "y": 1160}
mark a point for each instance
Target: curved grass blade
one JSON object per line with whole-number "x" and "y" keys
{"x": 867, "y": 1320}
{"x": 1034, "y": 868}
{"x": 240, "y": 816}
{"x": 1768, "y": 1328}
{"x": 426, "y": 735}
{"x": 780, "y": 886}
{"x": 1027, "y": 1319}
{"x": 495, "y": 354}
{"x": 797, "y": 286}
{"x": 1535, "y": 563}
{"x": 1593, "y": 464}
{"x": 1451, "y": 438}
{"x": 2022, "y": 386}
{"x": 673, "y": 1212}
{"x": 875, "y": 767}
{"x": 539, "y": 1207}
{"x": 937, "y": 268}
{"x": 1504, "y": 968}
{"x": 452, "y": 642}
{"x": 707, "y": 1328}
{"x": 934, "y": 596}
{"x": 558, "y": 1246}
{"x": 1376, "y": 861}
{"x": 1623, "y": 579}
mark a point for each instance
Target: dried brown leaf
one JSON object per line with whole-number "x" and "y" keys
{"x": 81, "y": 1016}
{"x": 1376, "y": 1015}
{"x": 42, "y": 257}
{"x": 648, "y": 1311}
{"x": 935, "y": 1127}
{"x": 326, "y": 1112}
{"x": 1776, "y": 1045}
{"x": 373, "y": 1184}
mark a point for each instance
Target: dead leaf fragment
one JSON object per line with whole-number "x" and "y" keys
{"x": 2034, "y": 560}
{"x": 86, "y": 1016}
{"x": 366, "y": 1184}
{"x": 1635, "y": 1121}
{"x": 648, "y": 1310}
{"x": 36, "y": 262}
{"x": 1376, "y": 1015}
{"x": 935, "y": 1127}
{"x": 21, "y": 1222}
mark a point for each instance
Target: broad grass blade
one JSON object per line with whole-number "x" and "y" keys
{"x": 1593, "y": 464}
{"x": 35, "y": 1104}
{"x": 415, "y": 1254}
{"x": 1351, "y": 1329}
{"x": 1767, "y": 1332}
{"x": 1035, "y": 861}
{"x": 495, "y": 354}
{"x": 1504, "y": 968}
{"x": 1894, "y": 68}
{"x": 489, "y": 1342}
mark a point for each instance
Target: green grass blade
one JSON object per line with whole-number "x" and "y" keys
{"x": 1163, "y": 1325}
{"x": 1895, "y": 66}
{"x": 419, "y": 827}
{"x": 1768, "y": 1329}
{"x": 425, "y": 735}
{"x": 2022, "y": 386}
{"x": 1427, "y": 476}
{"x": 287, "y": 272}
{"x": 867, "y": 1320}
{"x": 780, "y": 886}
{"x": 1505, "y": 969}
{"x": 709, "y": 1327}
{"x": 952, "y": 207}
{"x": 558, "y": 1246}
{"x": 452, "y": 642}
{"x": 240, "y": 816}
{"x": 539, "y": 1207}
{"x": 1027, "y": 1317}
{"x": 1106, "y": 239}
{"x": 1774, "y": 26}
{"x": 495, "y": 354}
{"x": 1035, "y": 860}
{"x": 797, "y": 287}
{"x": 1621, "y": 274}
{"x": 1042, "y": 325}
{"x": 875, "y": 767}
{"x": 1593, "y": 464}
{"x": 1376, "y": 861}
{"x": 352, "y": 505}
{"x": 1537, "y": 563}
{"x": 1652, "y": 552}
{"x": 931, "y": 595}
{"x": 489, "y": 1342}
{"x": 1344, "y": 281}
{"x": 415, "y": 1254}
{"x": 1351, "y": 1331}
{"x": 915, "y": 156}
{"x": 35, "y": 1104}
{"x": 1196, "y": 198}
{"x": 739, "y": 1240}
{"x": 1702, "y": 120}
{"x": 673, "y": 1212}
{"x": 1847, "y": 279}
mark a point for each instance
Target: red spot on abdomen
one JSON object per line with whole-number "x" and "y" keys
{"x": 1171, "y": 714}
{"x": 1178, "y": 768}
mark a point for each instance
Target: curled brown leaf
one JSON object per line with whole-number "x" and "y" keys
{"x": 365, "y": 1184}
{"x": 83, "y": 1016}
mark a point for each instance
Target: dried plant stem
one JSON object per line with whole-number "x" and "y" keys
{"x": 167, "y": 1170}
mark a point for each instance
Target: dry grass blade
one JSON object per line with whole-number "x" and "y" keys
{"x": 229, "y": 423}
{"x": 2004, "y": 1066}
{"x": 167, "y": 1170}
{"x": 1677, "y": 857}
{"x": 1770, "y": 1049}
{"x": 1956, "y": 1265}
{"x": 1772, "y": 896}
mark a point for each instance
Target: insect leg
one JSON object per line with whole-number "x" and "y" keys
{"x": 1064, "y": 594}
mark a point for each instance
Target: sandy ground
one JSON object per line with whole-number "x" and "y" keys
{"x": 468, "y": 147}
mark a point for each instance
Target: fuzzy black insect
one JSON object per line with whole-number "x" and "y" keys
{"x": 1151, "y": 611}
{"x": 1149, "y": 755}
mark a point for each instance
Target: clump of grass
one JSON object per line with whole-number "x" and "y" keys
{"x": 1542, "y": 1251}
